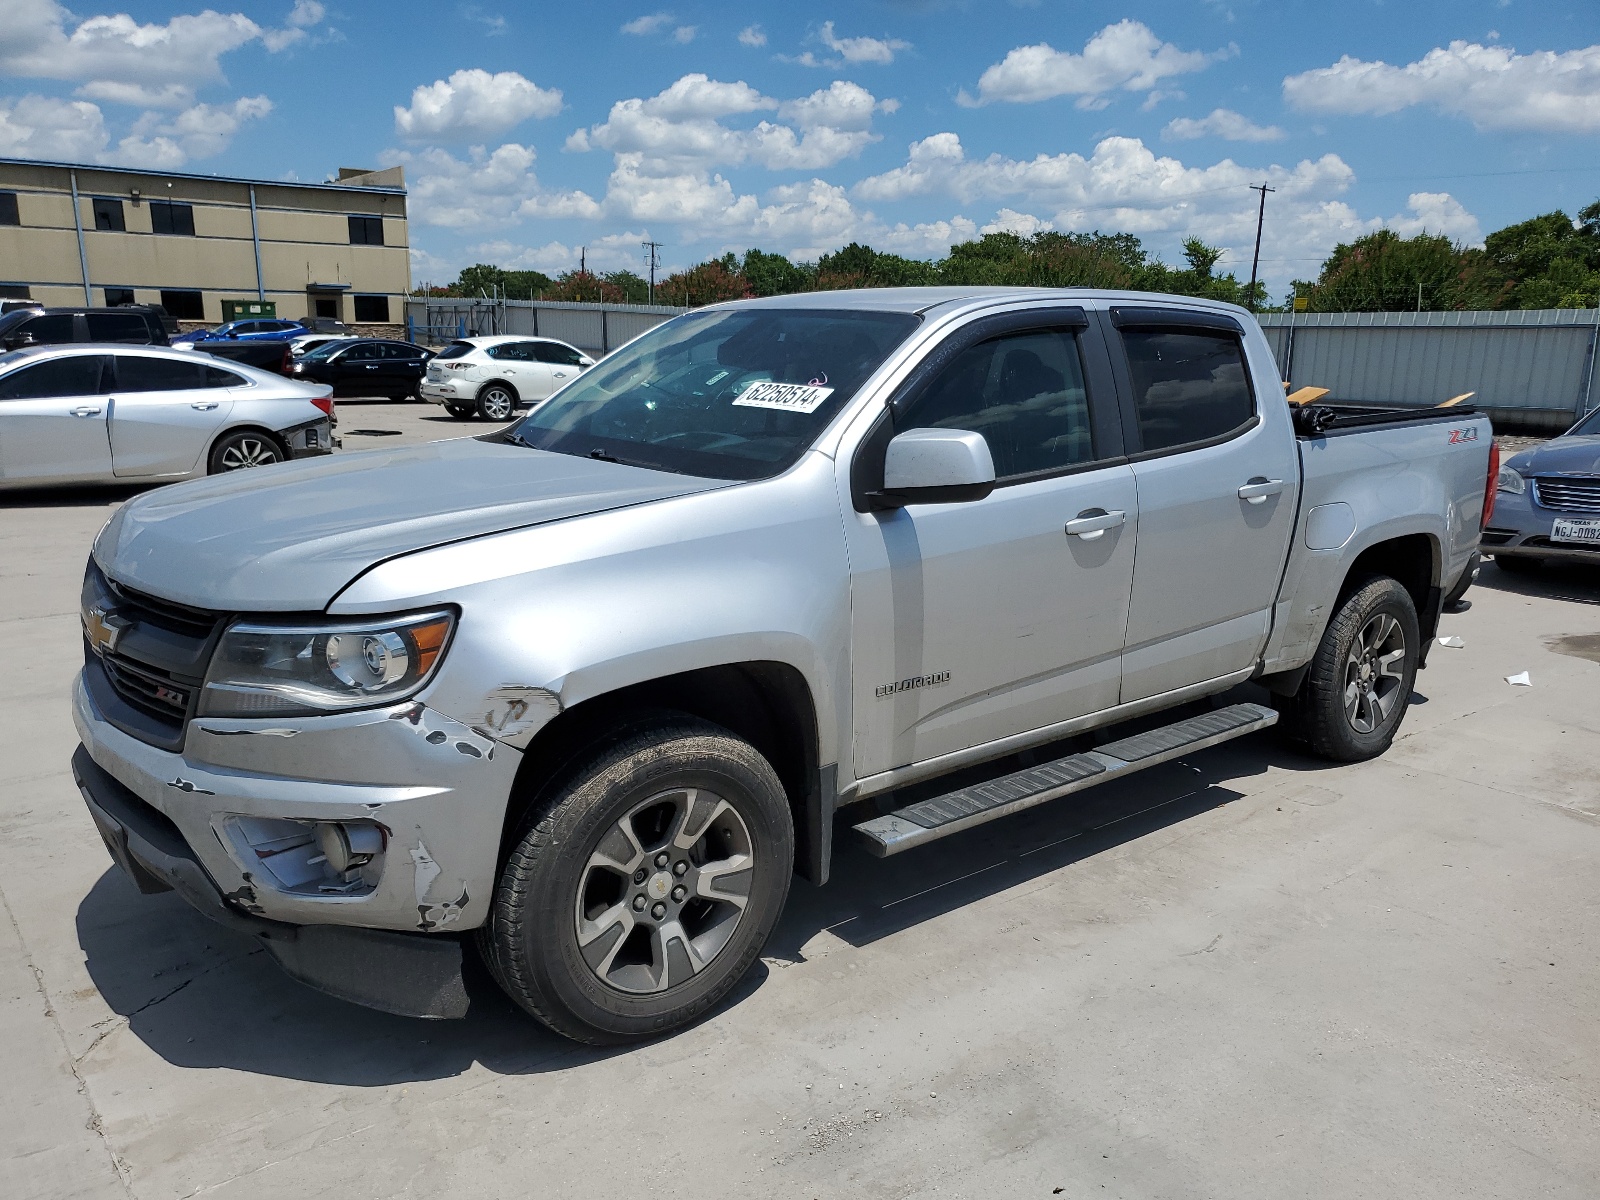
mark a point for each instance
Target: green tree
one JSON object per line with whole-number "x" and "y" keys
{"x": 858, "y": 266}
{"x": 707, "y": 283}
{"x": 633, "y": 288}
{"x": 775, "y": 275}
{"x": 484, "y": 279}
{"x": 1384, "y": 272}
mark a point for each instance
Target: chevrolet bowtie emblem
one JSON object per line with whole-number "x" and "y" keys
{"x": 103, "y": 627}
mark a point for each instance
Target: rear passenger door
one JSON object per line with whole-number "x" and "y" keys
{"x": 164, "y": 412}
{"x": 561, "y": 362}
{"x": 53, "y": 421}
{"x": 1217, "y": 477}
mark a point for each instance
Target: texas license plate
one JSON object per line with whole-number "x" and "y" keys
{"x": 1567, "y": 530}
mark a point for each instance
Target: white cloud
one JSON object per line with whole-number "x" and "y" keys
{"x": 1492, "y": 86}
{"x": 614, "y": 252}
{"x": 1126, "y": 56}
{"x": 752, "y": 36}
{"x": 684, "y": 34}
{"x": 855, "y": 50}
{"x": 151, "y": 63}
{"x": 43, "y": 127}
{"x": 473, "y": 104}
{"x": 198, "y": 132}
{"x": 1437, "y": 213}
{"x": 841, "y": 105}
{"x": 305, "y": 15}
{"x": 1222, "y": 123}
{"x": 1008, "y": 220}
{"x": 647, "y": 25}
{"x": 485, "y": 190}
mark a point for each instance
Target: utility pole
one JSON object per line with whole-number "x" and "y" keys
{"x": 1261, "y": 220}
{"x": 652, "y": 256}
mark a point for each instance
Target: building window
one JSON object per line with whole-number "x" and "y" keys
{"x": 184, "y": 305}
{"x": 366, "y": 231}
{"x": 8, "y": 209}
{"x": 108, "y": 214}
{"x": 15, "y": 291}
{"x": 169, "y": 217}
{"x": 324, "y": 306}
{"x": 116, "y": 296}
{"x": 372, "y": 310}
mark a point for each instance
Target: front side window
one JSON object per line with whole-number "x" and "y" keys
{"x": 78, "y": 375}
{"x": 1188, "y": 386}
{"x": 169, "y": 217}
{"x": 147, "y": 373}
{"x": 723, "y": 394}
{"x": 555, "y": 352}
{"x": 47, "y": 329}
{"x": 363, "y": 352}
{"x": 118, "y": 327}
{"x": 108, "y": 214}
{"x": 1024, "y": 392}
{"x": 8, "y": 209}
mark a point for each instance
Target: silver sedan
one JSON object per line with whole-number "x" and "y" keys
{"x": 86, "y": 413}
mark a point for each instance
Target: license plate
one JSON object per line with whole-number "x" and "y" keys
{"x": 434, "y": 374}
{"x": 1567, "y": 530}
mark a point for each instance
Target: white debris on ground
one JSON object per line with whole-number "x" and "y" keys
{"x": 1520, "y": 679}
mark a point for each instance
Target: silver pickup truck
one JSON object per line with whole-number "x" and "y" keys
{"x": 586, "y": 692}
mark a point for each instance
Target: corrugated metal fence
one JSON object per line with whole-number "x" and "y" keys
{"x": 1531, "y": 369}
{"x": 593, "y": 328}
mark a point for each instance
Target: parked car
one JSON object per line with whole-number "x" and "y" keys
{"x": 264, "y": 356}
{"x": 490, "y": 376}
{"x": 301, "y": 345}
{"x": 268, "y": 329}
{"x": 324, "y": 325}
{"x": 1548, "y": 502}
{"x": 134, "y": 324}
{"x": 591, "y": 690}
{"x": 10, "y": 304}
{"x": 125, "y": 414}
{"x": 364, "y": 367}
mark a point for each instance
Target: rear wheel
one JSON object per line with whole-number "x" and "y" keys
{"x": 636, "y": 900}
{"x": 1355, "y": 695}
{"x": 245, "y": 448}
{"x": 497, "y": 402}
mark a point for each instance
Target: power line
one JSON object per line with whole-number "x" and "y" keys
{"x": 1261, "y": 220}
{"x": 652, "y": 257}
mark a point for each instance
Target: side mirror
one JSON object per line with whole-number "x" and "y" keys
{"x": 936, "y": 466}
{"x": 19, "y": 340}
{"x": 585, "y": 361}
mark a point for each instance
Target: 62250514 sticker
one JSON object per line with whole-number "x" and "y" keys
{"x": 786, "y": 397}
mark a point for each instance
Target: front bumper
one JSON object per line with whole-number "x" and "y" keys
{"x": 410, "y": 974}
{"x": 1522, "y": 529}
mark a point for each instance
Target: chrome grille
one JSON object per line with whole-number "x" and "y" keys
{"x": 1567, "y": 494}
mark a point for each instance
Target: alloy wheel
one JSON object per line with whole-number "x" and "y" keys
{"x": 248, "y": 452}
{"x": 663, "y": 891}
{"x": 497, "y": 404}
{"x": 1374, "y": 673}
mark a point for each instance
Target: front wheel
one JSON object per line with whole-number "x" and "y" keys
{"x": 497, "y": 403}
{"x": 638, "y": 898}
{"x": 1355, "y": 695}
{"x": 246, "y": 448}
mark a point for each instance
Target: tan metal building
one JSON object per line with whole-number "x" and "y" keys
{"x": 80, "y": 234}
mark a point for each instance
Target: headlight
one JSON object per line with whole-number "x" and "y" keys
{"x": 1509, "y": 481}
{"x": 261, "y": 669}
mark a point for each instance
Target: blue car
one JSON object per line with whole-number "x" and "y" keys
{"x": 250, "y": 329}
{"x": 1547, "y": 502}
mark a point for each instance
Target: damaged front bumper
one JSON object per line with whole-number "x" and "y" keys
{"x": 232, "y": 823}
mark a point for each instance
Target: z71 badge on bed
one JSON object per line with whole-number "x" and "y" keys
{"x": 1463, "y": 435}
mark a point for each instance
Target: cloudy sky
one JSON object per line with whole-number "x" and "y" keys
{"x": 530, "y": 131}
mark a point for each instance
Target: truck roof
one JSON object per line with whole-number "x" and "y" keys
{"x": 924, "y": 299}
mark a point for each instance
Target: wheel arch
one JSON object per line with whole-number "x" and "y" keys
{"x": 497, "y": 382}
{"x": 1415, "y": 561}
{"x": 242, "y": 427}
{"x": 767, "y": 703}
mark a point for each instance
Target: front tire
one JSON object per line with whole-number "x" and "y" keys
{"x": 1355, "y": 695}
{"x": 636, "y": 899}
{"x": 245, "y": 448}
{"x": 497, "y": 402}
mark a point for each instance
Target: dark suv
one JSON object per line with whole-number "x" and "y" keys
{"x": 135, "y": 324}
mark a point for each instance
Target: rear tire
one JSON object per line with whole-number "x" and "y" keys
{"x": 636, "y": 899}
{"x": 245, "y": 448}
{"x": 497, "y": 402}
{"x": 1355, "y": 695}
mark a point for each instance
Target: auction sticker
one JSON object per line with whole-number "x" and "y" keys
{"x": 787, "y": 397}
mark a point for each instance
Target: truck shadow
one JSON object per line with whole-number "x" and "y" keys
{"x": 203, "y": 996}
{"x": 1577, "y": 583}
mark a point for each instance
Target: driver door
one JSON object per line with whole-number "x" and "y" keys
{"x": 980, "y": 621}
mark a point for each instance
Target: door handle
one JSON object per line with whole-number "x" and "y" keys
{"x": 1258, "y": 489}
{"x": 1093, "y": 522}
{"x": 204, "y": 405}
{"x": 85, "y": 411}
{"x": 560, "y": 374}
{"x": 371, "y": 366}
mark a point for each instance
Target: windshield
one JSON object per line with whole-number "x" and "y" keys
{"x": 1590, "y": 424}
{"x": 731, "y": 394}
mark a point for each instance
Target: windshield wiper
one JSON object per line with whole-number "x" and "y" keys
{"x": 603, "y": 456}
{"x": 516, "y": 439}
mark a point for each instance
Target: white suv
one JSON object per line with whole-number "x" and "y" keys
{"x": 490, "y": 376}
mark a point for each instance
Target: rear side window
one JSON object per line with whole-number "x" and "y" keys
{"x": 217, "y": 377}
{"x": 404, "y": 353}
{"x": 78, "y": 375}
{"x": 118, "y": 327}
{"x": 50, "y": 328}
{"x": 510, "y": 351}
{"x": 456, "y": 350}
{"x": 1024, "y": 392}
{"x": 139, "y": 373}
{"x": 1188, "y": 386}
{"x": 554, "y": 352}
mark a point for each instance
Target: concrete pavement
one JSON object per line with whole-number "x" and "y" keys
{"x": 1247, "y": 974}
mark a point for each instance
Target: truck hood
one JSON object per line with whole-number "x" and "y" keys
{"x": 1575, "y": 455}
{"x": 289, "y": 538}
